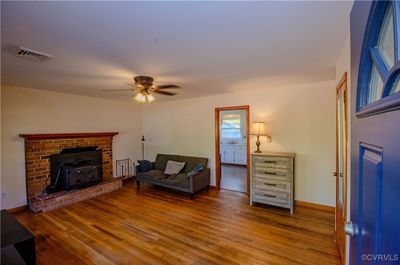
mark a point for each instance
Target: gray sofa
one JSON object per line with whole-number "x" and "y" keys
{"x": 181, "y": 181}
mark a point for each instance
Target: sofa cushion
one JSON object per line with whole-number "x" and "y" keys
{"x": 161, "y": 161}
{"x": 180, "y": 180}
{"x": 174, "y": 167}
{"x": 153, "y": 175}
{"x": 192, "y": 162}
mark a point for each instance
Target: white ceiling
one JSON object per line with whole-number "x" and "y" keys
{"x": 205, "y": 47}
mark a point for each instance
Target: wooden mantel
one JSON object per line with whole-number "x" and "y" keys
{"x": 66, "y": 135}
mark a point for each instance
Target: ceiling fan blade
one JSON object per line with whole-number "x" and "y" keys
{"x": 117, "y": 90}
{"x": 164, "y": 92}
{"x": 167, "y": 86}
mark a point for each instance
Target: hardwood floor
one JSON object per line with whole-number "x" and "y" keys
{"x": 234, "y": 177}
{"x": 156, "y": 226}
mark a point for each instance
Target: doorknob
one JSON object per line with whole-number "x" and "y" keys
{"x": 350, "y": 229}
{"x": 334, "y": 174}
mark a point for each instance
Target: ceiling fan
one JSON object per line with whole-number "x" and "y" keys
{"x": 145, "y": 89}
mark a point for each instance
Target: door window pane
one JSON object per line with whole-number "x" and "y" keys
{"x": 386, "y": 39}
{"x": 230, "y": 128}
{"x": 375, "y": 86}
{"x": 396, "y": 86}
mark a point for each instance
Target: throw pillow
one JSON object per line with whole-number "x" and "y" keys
{"x": 197, "y": 169}
{"x": 145, "y": 165}
{"x": 173, "y": 167}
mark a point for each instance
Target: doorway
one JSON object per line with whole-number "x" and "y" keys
{"x": 232, "y": 147}
{"x": 341, "y": 165}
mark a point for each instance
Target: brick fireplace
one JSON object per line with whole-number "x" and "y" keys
{"x": 38, "y": 150}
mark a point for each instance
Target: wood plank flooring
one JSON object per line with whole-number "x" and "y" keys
{"x": 156, "y": 226}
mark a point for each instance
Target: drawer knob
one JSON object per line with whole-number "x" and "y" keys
{"x": 270, "y": 173}
{"x": 269, "y": 161}
{"x": 270, "y": 184}
{"x": 271, "y": 196}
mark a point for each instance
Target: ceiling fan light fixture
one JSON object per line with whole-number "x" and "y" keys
{"x": 140, "y": 97}
{"x": 150, "y": 98}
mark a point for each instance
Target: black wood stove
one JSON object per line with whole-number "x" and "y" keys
{"x": 75, "y": 168}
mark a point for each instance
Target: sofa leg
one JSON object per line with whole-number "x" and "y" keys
{"x": 191, "y": 196}
{"x": 137, "y": 184}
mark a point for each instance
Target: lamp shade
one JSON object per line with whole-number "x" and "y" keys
{"x": 258, "y": 128}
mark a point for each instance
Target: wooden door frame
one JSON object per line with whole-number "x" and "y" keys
{"x": 338, "y": 217}
{"x": 217, "y": 143}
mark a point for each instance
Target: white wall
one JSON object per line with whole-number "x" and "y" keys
{"x": 301, "y": 119}
{"x": 26, "y": 110}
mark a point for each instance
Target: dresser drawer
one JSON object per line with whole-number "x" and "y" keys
{"x": 272, "y": 174}
{"x": 270, "y": 196}
{"x": 272, "y": 185}
{"x": 273, "y": 162}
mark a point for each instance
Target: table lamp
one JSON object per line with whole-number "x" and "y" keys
{"x": 258, "y": 128}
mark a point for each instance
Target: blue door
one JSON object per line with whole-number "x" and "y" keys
{"x": 375, "y": 133}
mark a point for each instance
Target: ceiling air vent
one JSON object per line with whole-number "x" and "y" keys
{"x": 32, "y": 55}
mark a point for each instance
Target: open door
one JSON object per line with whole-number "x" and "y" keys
{"x": 220, "y": 157}
{"x": 374, "y": 229}
{"x": 341, "y": 164}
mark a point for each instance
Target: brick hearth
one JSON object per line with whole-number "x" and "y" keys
{"x": 44, "y": 203}
{"x": 39, "y": 147}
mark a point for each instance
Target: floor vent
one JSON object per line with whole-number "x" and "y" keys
{"x": 32, "y": 55}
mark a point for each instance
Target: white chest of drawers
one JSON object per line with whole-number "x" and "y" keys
{"x": 272, "y": 179}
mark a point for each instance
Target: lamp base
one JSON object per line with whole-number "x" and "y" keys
{"x": 258, "y": 145}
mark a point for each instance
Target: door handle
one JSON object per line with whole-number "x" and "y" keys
{"x": 334, "y": 174}
{"x": 350, "y": 229}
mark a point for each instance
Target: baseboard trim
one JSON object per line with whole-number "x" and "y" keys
{"x": 18, "y": 209}
{"x": 315, "y": 206}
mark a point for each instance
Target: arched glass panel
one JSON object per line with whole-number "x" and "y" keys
{"x": 378, "y": 88}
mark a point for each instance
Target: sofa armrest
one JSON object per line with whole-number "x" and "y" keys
{"x": 200, "y": 180}
{"x": 138, "y": 170}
